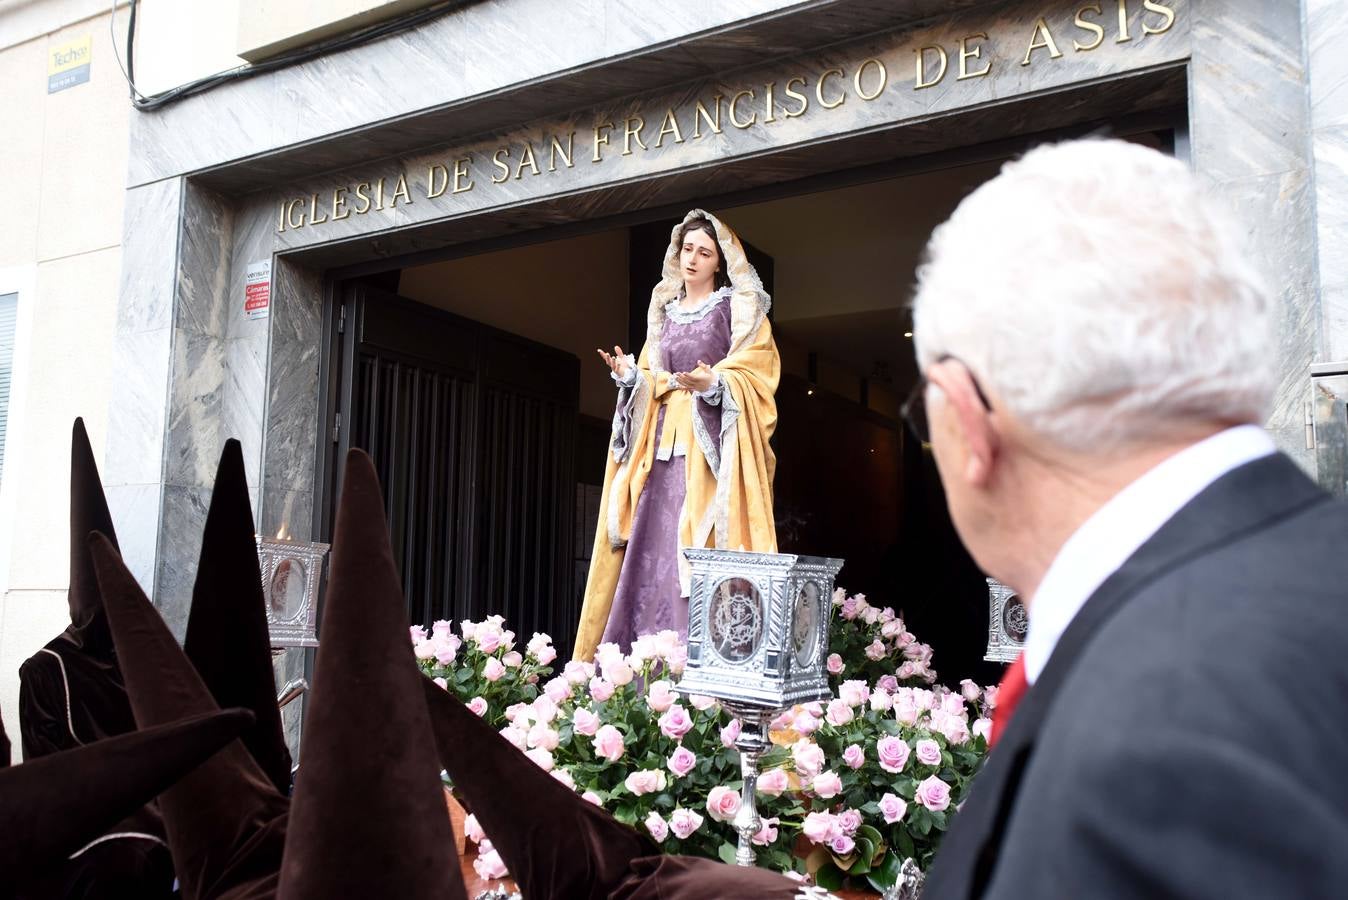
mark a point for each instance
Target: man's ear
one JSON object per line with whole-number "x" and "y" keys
{"x": 971, "y": 418}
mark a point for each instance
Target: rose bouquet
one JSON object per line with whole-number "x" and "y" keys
{"x": 482, "y": 667}
{"x": 869, "y": 643}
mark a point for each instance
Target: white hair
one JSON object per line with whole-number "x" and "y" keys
{"x": 1098, "y": 292}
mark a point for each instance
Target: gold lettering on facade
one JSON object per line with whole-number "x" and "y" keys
{"x": 339, "y": 210}
{"x": 769, "y": 105}
{"x": 734, "y": 117}
{"x": 881, "y": 75}
{"x": 601, "y": 139}
{"x": 800, "y": 98}
{"x": 379, "y": 195}
{"x": 1124, "y": 36}
{"x": 922, "y": 67}
{"x": 527, "y": 159}
{"x": 1166, "y": 12}
{"x": 500, "y": 165}
{"x": 669, "y": 126}
{"x": 701, "y": 115}
{"x": 281, "y": 218}
{"x": 290, "y": 213}
{"x": 400, "y": 190}
{"x": 556, "y": 151}
{"x": 629, "y": 132}
{"x": 431, "y": 190}
{"x": 967, "y": 54}
{"x": 363, "y": 196}
{"x": 819, "y": 89}
{"x": 1042, "y": 38}
{"x": 313, "y": 211}
{"x": 460, "y": 173}
{"x": 1086, "y": 25}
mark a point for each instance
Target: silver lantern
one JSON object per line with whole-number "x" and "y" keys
{"x": 758, "y": 642}
{"x": 290, "y": 575}
{"x": 1008, "y": 623}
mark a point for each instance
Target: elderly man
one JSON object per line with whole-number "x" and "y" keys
{"x": 1097, "y": 354}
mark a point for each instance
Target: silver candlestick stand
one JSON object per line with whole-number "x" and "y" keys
{"x": 752, "y": 743}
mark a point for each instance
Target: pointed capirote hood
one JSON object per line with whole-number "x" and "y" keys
{"x": 225, "y": 821}
{"x": 53, "y": 806}
{"x": 88, "y": 512}
{"x": 554, "y": 843}
{"x": 749, "y": 302}
{"x": 368, "y": 816}
{"x": 227, "y": 638}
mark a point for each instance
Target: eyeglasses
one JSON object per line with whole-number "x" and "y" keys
{"x": 914, "y": 409}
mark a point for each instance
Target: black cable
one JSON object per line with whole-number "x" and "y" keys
{"x": 352, "y": 39}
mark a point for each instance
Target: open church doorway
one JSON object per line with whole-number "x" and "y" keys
{"x": 470, "y": 375}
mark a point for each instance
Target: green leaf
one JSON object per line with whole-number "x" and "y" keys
{"x": 905, "y": 844}
{"x": 885, "y": 875}
{"x": 829, "y": 877}
{"x": 727, "y": 853}
{"x": 864, "y": 853}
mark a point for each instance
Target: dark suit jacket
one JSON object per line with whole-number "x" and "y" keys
{"x": 1189, "y": 735}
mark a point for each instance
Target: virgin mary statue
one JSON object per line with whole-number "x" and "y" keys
{"x": 689, "y": 463}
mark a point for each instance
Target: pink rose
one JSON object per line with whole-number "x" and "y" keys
{"x": 701, "y": 702}
{"x": 839, "y": 713}
{"x": 600, "y": 689}
{"x": 933, "y": 793}
{"x": 645, "y": 781}
{"x": 565, "y": 778}
{"x": 767, "y": 832}
{"x": 891, "y": 629}
{"x": 849, "y": 609}
{"x": 826, "y": 785}
{"x": 543, "y": 709}
{"x": 546, "y": 655}
{"x": 928, "y": 752}
{"x": 584, "y": 722}
{"x": 660, "y": 697}
{"x": 418, "y": 634}
{"x": 892, "y": 753}
{"x": 488, "y": 639}
{"x": 871, "y": 615}
{"x": 492, "y": 669}
{"x": 881, "y": 701}
{"x": 618, "y": 671}
{"x": 489, "y": 866}
{"x": 805, "y": 723}
{"x": 970, "y": 691}
{"x": 849, "y": 820}
{"x": 478, "y": 706}
{"x": 445, "y": 650}
{"x": 558, "y": 690}
{"x": 923, "y": 698}
{"x": 607, "y": 653}
{"x": 681, "y": 761}
{"x": 854, "y": 692}
{"x": 809, "y": 759}
{"x": 723, "y": 803}
{"x": 517, "y": 736}
{"x": 887, "y": 683}
{"x": 537, "y": 643}
{"x": 684, "y": 822}
{"x": 542, "y": 758}
{"x": 905, "y": 710}
{"x": 955, "y": 729}
{"x": 513, "y": 660}
{"x": 982, "y": 728}
{"x": 576, "y": 673}
{"x": 731, "y": 733}
{"x": 818, "y": 827}
{"x": 834, "y": 664}
{"x": 657, "y": 826}
{"x": 842, "y": 845}
{"x": 592, "y": 797}
{"x": 990, "y": 697}
{"x": 906, "y": 671}
{"x": 424, "y": 650}
{"x": 676, "y": 722}
{"x": 608, "y": 743}
{"x": 854, "y": 756}
{"x": 839, "y": 596}
{"x": 472, "y": 830}
{"x": 543, "y": 736}
{"x": 892, "y": 808}
{"x": 773, "y": 782}
{"x": 876, "y": 650}
{"x": 440, "y": 683}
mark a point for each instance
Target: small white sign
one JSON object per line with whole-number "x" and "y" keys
{"x": 257, "y": 290}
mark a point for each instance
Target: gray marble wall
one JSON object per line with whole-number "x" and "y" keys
{"x": 1327, "y": 49}
{"x": 1248, "y": 120}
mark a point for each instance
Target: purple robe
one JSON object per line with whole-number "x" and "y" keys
{"x": 647, "y": 598}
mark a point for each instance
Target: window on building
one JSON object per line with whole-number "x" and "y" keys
{"x": 9, "y": 308}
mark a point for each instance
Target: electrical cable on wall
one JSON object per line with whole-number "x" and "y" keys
{"x": 146, "y": 103}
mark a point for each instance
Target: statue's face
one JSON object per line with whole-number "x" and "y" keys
{"x": 698, "y": 261}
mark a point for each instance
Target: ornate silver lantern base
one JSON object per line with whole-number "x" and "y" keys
{"x": 909, "y": 885}
{"x": 752, "y": 743}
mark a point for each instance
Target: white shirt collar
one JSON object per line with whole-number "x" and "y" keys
{"x": 1116, "y": 530}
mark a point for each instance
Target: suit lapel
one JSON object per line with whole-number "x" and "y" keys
{"x": 1244, "y": 500}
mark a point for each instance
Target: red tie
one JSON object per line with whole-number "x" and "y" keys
{"x": 1009, "y": 692}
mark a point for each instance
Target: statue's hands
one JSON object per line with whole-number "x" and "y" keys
{"x": 698, "y": 380}
{"x": 615, "y": 361}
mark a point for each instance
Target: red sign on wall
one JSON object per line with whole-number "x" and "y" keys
{"x": 257, "y": 290}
